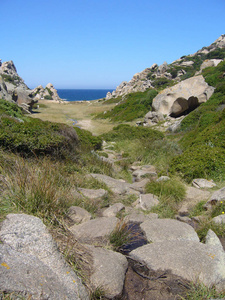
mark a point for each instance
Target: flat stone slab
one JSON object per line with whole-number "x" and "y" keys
{"x": 146, "y": 201}
{"x": 189, "y": 259}
{"x": 109, "y": 270}
{"x": 158, "y": 230}
{"x": 144, "y": 171}
{"x": 113, "y": 210}
{"x": 78, "y": 215}
{"x": 31, "y": 263}
{"x": 193, "y": 197}
{"x": 202, "y": 183}
{"x": 92, "y": 194}
{"x": 117, "y": 186}
{"x": 94, "y": 230}
{"x": 138, "y": 217}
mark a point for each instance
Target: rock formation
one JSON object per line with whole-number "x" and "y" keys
{"x": 149, "y": 77}
{"x": 182, "y": 97}
{"x": 48, "y": 93}
{"x": 13, "y": 88}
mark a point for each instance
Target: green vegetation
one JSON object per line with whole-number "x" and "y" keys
{"x": 204, "y": 142}
{"x": 121, "y": 236}
{"x": 10, "y": 109}
{"x": 133, "y": 106}
{"x": 199, "y": 291}
{"x": 48, "y": 97}
{"x": 128, "y": 132}
{"x": 172, "y": 188}
{"x": 42, "y": 163}
{"x": 9, "y": 78}
{"x": 170, "y": 193}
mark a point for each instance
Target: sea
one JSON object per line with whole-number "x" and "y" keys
{"x": 82, "y": 94}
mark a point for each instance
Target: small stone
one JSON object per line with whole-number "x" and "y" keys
{"x": 113, "y": 210}
{"x": 78, "y": 215}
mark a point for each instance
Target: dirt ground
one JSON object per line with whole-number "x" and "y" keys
{"x": 144, "y": 284}
{"x": 79, "y": 114}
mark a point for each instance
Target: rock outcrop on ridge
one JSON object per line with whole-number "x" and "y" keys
{"x": 13, "y": 88}
{"x": 48, "y": 93}
{"x": 177, "y": 71}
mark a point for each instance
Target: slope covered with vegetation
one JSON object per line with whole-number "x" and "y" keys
{"x": 203, "y": 131}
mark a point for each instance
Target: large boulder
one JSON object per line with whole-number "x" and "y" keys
{"x": 30, "y": 262}
{"x": 159, "y": 230}
{"x": 182, "y": 97}
{"x": 191, "y": 260}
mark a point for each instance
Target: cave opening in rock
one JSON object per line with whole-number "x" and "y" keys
{"x": 182, "y": 106}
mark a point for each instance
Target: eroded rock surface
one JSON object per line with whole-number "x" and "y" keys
{"x": 30, "y": 261}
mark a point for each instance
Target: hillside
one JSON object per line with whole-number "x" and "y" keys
{"x": 91, "y": 217}
{"x": 135, "y": 98}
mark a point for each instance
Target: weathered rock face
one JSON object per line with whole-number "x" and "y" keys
{"x": 48, "y": 93}
{"x": 182, "y": 97}
{"x": 13, "y": 88}
{"x": 146, "y": 79}
{"x": 30, "y": 262}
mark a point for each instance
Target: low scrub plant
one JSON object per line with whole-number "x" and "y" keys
{"x": 121, "y": 236}
{"x": 207, "y": 224}
{"x": 10, "y": 109}
{"x": 198, "y": 209}
{"x": 165, "y": 209}
{"x": 37, "y": 189}
{"x": 173, "y": 189}
{"x": 219, "y": 209}
{"x": 198, "y": 291}
{"x": 133, "y": 106}
{"x": 125, "y": 131}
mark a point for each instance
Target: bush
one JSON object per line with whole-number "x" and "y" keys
{"x": 173, "y": 189}
{"x": 36, "y": 137}
{"x": 88, "y": 140}
{"x": 10, "y": 109}
{"x": 134, "y": 106}
{"x": 128, "y": 132}
{"x": 204, "y": 143}
{"x": 48, "y": 97}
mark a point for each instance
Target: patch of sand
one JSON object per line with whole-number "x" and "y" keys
{"x": 85, "y": 124}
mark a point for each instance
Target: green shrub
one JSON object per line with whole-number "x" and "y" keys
{"x": 133, "y": 106}
{"x": 204, "y": 227}
{"x": 173, "y": 189}
{"x": 200, "y": 162}
{"x": 128, "y": 132}
{"x": 88, "y": 140}
{"x": 162, "y": 83}
{"x": 204, "y": 140}
{"x": 10, "y": 109}
{"x": 48, "y": 97}
{"x": 198, "y": 291}
{"x": 36, "y": 137}
{"x": 218, "y": 209}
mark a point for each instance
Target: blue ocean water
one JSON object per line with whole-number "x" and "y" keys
{"x": 79, "y": 94}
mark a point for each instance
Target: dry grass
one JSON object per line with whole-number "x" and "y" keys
{"x": 69, "y": 112}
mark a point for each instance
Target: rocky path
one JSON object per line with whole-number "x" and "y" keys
{"x": 160, "y": 268}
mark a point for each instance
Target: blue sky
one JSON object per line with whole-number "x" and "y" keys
{"x": 100, "y": 43}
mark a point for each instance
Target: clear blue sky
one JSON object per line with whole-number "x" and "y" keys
{"x": 100, "y": 43}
